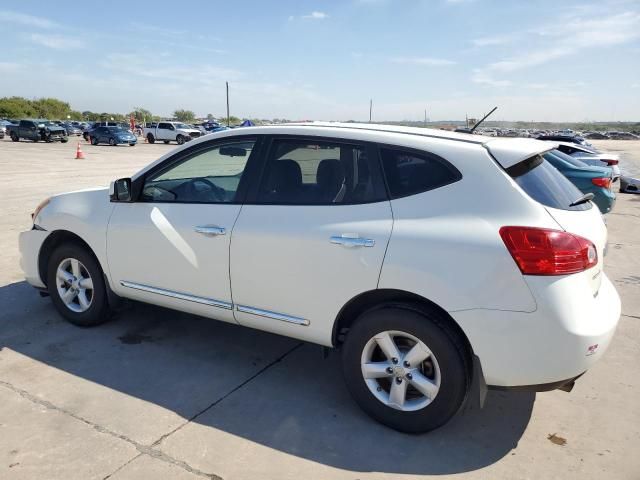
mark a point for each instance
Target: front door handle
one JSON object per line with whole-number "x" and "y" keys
{"x": 211, "y": 230}
{"x": 352, "y": 241}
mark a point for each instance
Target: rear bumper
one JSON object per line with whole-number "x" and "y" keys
{"x": 605, "y": 199}
{"x": 29, "y": 243}
{"x": 569, "y": 332}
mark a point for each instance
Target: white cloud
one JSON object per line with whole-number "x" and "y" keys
{"x": 9, "y": 66}
{"x": 28, "y": 20}
{"x": 316, "y": 16}
{"x": 493, "y": 41}
{"x": 425, "y": 61}
{"x": 486, "y": 79}
{"x": 57, "y": 42}
{"x": 569, "y": 36}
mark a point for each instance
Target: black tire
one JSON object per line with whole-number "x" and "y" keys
{"x": 98, "y": 311}
{"x": 94, "y": 141}
{"x": 85, "y": 136}
{"x": 166, "y": 142}
{"x": 430, "y": 327}
{"x": 112, "y": 142}
{"x": 180, "y": 139}
{"x": 14, "y": 137}
{"x": 151, "y": 138}
{"x": 64, "y": 140}
{"x": 132, "y": 144}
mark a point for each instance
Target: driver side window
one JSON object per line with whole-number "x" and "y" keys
{"x": 211, "y": 175}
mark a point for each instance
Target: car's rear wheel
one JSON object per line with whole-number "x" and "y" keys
{"x": 76, "y": 285}
{"x": 14, "y": 137}
{"x": 180, "y": 139}
{"x": 94, "y": 141}
{"x": 151, "y": 138}
{"x": 406, "y": 368}
{"x": 132, "y": 144}
{"x": 112, "y": 142}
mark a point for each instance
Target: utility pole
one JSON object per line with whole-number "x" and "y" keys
{"x": 370, "y": 108}
{"x": 425, "y": 117}
{"x": 227, "y": 103}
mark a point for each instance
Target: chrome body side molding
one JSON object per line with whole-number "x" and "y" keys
{"x": 181, "y": 296}
{"x": 272, "y": 315}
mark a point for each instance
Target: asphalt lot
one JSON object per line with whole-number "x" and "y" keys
{"x": 159, "y": 394}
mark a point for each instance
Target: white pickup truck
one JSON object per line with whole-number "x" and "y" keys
{"x": 170, "y": 132}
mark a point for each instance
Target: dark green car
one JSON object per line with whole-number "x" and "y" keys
{"x": 586, "y": 178}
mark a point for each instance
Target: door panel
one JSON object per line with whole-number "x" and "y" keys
{"x": 283, "y": 261}
{"x": 171, "y": 247}
{"x": 309, "y": 241}
{"x": 157, "y": 246}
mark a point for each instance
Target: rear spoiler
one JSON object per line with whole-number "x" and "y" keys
{"x": 511, "y": 151}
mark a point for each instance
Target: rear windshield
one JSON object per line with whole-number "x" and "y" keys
{"x": 568, "y": 158}
{"x": 545, "y": 184}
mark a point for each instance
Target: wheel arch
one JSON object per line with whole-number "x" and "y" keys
{"x": 53, "y": 241}
{"x": 379, "y": 298}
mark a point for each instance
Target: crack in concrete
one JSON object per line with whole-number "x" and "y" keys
{"x": 235, "y": 389}
{"x": 631, "y": 316}
{"x": 143, "y": 449}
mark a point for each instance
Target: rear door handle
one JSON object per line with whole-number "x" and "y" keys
{"x": 210, "y": 230}
{"x": 352, "y": 241}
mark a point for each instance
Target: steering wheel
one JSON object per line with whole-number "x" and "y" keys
{"x": 219, "y": 194}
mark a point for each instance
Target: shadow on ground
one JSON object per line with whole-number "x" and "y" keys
{"x": 210, "y": 370}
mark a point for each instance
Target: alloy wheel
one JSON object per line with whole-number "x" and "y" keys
{"x": 400, "y": 370}
{"x": 74, "y": 285}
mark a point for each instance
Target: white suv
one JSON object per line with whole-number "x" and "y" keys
{"x": 439, "y": 263}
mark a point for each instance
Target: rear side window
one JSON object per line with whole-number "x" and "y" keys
{"x": 408, "y": 173}
{"x": 545, "y": 184}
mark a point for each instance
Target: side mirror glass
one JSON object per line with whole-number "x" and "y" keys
{"x": 120, "y": 190}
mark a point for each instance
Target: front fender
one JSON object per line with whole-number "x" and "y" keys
{"x": 84, "y": 213}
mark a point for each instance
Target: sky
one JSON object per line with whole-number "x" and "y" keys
{"x": 537, "y": 60}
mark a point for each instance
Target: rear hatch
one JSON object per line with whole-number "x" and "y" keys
{"x": 545, "y": 184}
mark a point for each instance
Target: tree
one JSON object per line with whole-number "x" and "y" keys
{"x": 16, "y": 107}
{"x": 142, "y": 114}
{"x": 184, "y": 115}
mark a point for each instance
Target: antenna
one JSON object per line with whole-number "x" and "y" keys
{"x": 482, "y": 119}
{"x": 370, "y": 108}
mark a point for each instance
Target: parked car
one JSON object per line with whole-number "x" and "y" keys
{"x": 588, "y": 179}
{"x": 170, "y": 132}
{"x": 88, "y": 132}
{"x": 113, "y": 136}
{"x": 596, "y": 136}
{"x": 629, "y": 184}
{"x": 437, "y": 262}
{"x": 567, "y": 138}
{"x": 36, "y": 130}
{"x": 3, "y": 126}
{"x": 72, "y": 129}
{"x": 591, "y": 156}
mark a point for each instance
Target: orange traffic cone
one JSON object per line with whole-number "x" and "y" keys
{"x": 79, "y": 153}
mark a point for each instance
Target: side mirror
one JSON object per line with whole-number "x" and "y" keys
{"x": 120, "y": 190}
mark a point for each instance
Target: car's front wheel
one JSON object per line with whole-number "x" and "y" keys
{"x": 14, "y": 137}
{"x": 406, "y": 367}
{"x": 112, "y": 142}
{"x": 76, "y": 285}
{"x": 180, "y": 139}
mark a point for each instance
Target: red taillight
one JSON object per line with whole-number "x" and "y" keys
{"x": 601, "y": 182}
{"x": 611, "y": 162}
{"x": 541, "y": 251}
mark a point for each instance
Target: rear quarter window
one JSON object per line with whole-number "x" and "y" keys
{"x": 545, "y": 184}
{"x": 408, "y": 172}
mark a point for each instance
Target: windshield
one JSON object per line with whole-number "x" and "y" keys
{"x": 181, "y": 125}
{"x": 545, "y": 184}
{"x": 116, "y": 129}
